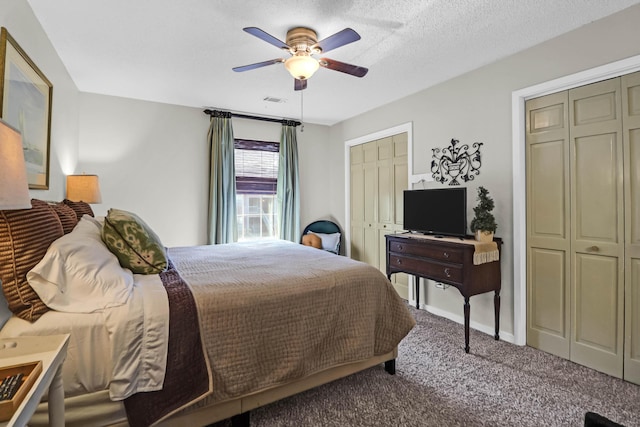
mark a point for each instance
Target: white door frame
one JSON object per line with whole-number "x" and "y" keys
{"x": 518, "y": 98}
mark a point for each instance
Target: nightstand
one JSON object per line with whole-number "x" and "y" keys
{"x": 51, "y": 350}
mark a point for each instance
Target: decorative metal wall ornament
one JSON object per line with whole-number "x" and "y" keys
{"x": 455, "y": 162}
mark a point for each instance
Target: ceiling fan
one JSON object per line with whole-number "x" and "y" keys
{"x": 302, "y": 43}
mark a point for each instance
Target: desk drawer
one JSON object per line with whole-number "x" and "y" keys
{"x": 435, "y": 252}
{"x": 427, "y": 268}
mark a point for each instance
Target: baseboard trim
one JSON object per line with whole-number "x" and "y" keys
{"x": 489, "y": 330}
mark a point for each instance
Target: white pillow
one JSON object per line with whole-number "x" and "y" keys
{"x": 329, "y": 241}
{"x": 79, "y": 274}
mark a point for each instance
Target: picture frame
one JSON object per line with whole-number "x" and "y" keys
{"x": 25, "y": 103}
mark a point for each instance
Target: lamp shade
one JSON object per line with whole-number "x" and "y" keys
{"x": 301, "y": 67}
{"x": 14, "y": 189}
{"x": 83, "y": 188}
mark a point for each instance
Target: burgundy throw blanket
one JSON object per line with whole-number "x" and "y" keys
{"x": 186, "y": 378}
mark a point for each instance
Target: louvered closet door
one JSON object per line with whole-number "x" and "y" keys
{"x": 597, "y": 226}
{"x": 548, "y": 229}
{"x": 631, "y": 132}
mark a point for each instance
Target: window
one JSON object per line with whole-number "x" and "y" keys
{"x": 256, "y": 164}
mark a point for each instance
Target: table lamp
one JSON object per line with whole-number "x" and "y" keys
{"x": 83, "y": 188}
{"x": 14, "y": 189}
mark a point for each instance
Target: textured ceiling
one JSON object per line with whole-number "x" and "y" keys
{"x": 182, "y": 51}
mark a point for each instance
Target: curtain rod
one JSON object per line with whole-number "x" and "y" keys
{"x": 246, "y": 116}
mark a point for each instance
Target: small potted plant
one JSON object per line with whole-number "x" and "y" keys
{"x": 483, "y": 224}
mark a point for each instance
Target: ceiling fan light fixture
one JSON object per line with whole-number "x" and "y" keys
{"x": 301, "y": 67}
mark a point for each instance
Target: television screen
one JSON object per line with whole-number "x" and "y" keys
{"x": 441, "y": 211}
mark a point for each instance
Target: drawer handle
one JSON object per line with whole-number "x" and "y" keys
{"x": 447, "y": 272}
{"x": 400, "y": 247}
{"x": 593, "y": 249}
{"x": 446, "y": 254}
{"x": 399, "y": 261}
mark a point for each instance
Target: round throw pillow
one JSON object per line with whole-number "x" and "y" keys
{"x": 312, "y": 240}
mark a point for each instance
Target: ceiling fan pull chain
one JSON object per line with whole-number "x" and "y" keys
{"x": 301, "y": 111}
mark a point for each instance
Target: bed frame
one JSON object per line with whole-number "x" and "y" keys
{"x": 96, "y": 408}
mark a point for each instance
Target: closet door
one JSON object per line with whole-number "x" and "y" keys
{"x": 364, "y": 203}
{"x": 400, "y": 176}
{"x": 378, "y": 178}
{"x": 631, "y": 129}
{"x": 385, "y": 194}
{"x": 400, "y": 183}
{"x": 371, "y": 201}
{"x": 597, "y": 226}
{"x": 385, "y": 180}
{"x": 548, "y": 224}
{"x": 357, "y": 201}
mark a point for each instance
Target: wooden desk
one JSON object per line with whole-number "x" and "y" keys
{"x": 51, "y": 350}
{"x": 445, "y": 261}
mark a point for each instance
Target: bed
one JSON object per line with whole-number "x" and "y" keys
{"x": 231, "y": 327}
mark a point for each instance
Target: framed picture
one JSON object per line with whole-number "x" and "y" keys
{"x": 25, "y": 103}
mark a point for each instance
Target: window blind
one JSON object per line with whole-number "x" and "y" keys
{"x": 256, "y": 164}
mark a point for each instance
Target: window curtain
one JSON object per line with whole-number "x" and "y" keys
{"x": 288, "y": 188}
{"x": 222, "y": 227}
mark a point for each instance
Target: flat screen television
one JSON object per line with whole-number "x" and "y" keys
{"x": 441, "y": 211}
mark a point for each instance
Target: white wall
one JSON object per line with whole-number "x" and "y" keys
{"x": 153, "y": 159}
{"x": 477, "y": 107}
{"x": 18, "y": 18}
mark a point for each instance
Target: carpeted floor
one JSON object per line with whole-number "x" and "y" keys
{"x": 438, "y": 384}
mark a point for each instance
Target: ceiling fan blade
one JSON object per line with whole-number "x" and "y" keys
{"x": 257, "y": 65}
{"x": 255, "y": 31}
{"x": 299, "y": 84}
{"x": 340, "y": 38}
{"x": 332, "y": 64}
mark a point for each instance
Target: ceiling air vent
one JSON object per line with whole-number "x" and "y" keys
{"x": 274, "y": 99}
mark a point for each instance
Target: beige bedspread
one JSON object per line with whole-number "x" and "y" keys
{"x": 271, "y": 312}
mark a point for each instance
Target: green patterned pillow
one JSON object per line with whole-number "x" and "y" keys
{"x": 137, "y": 247}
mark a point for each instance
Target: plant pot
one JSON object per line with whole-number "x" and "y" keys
{"x": 484, "y": 236}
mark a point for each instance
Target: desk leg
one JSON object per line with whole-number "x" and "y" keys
{"x": 417, "y": 292}
{"x": 56, "y": 400}
{"x": 496, "y": 307}
{"x": 467, "y": 309}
